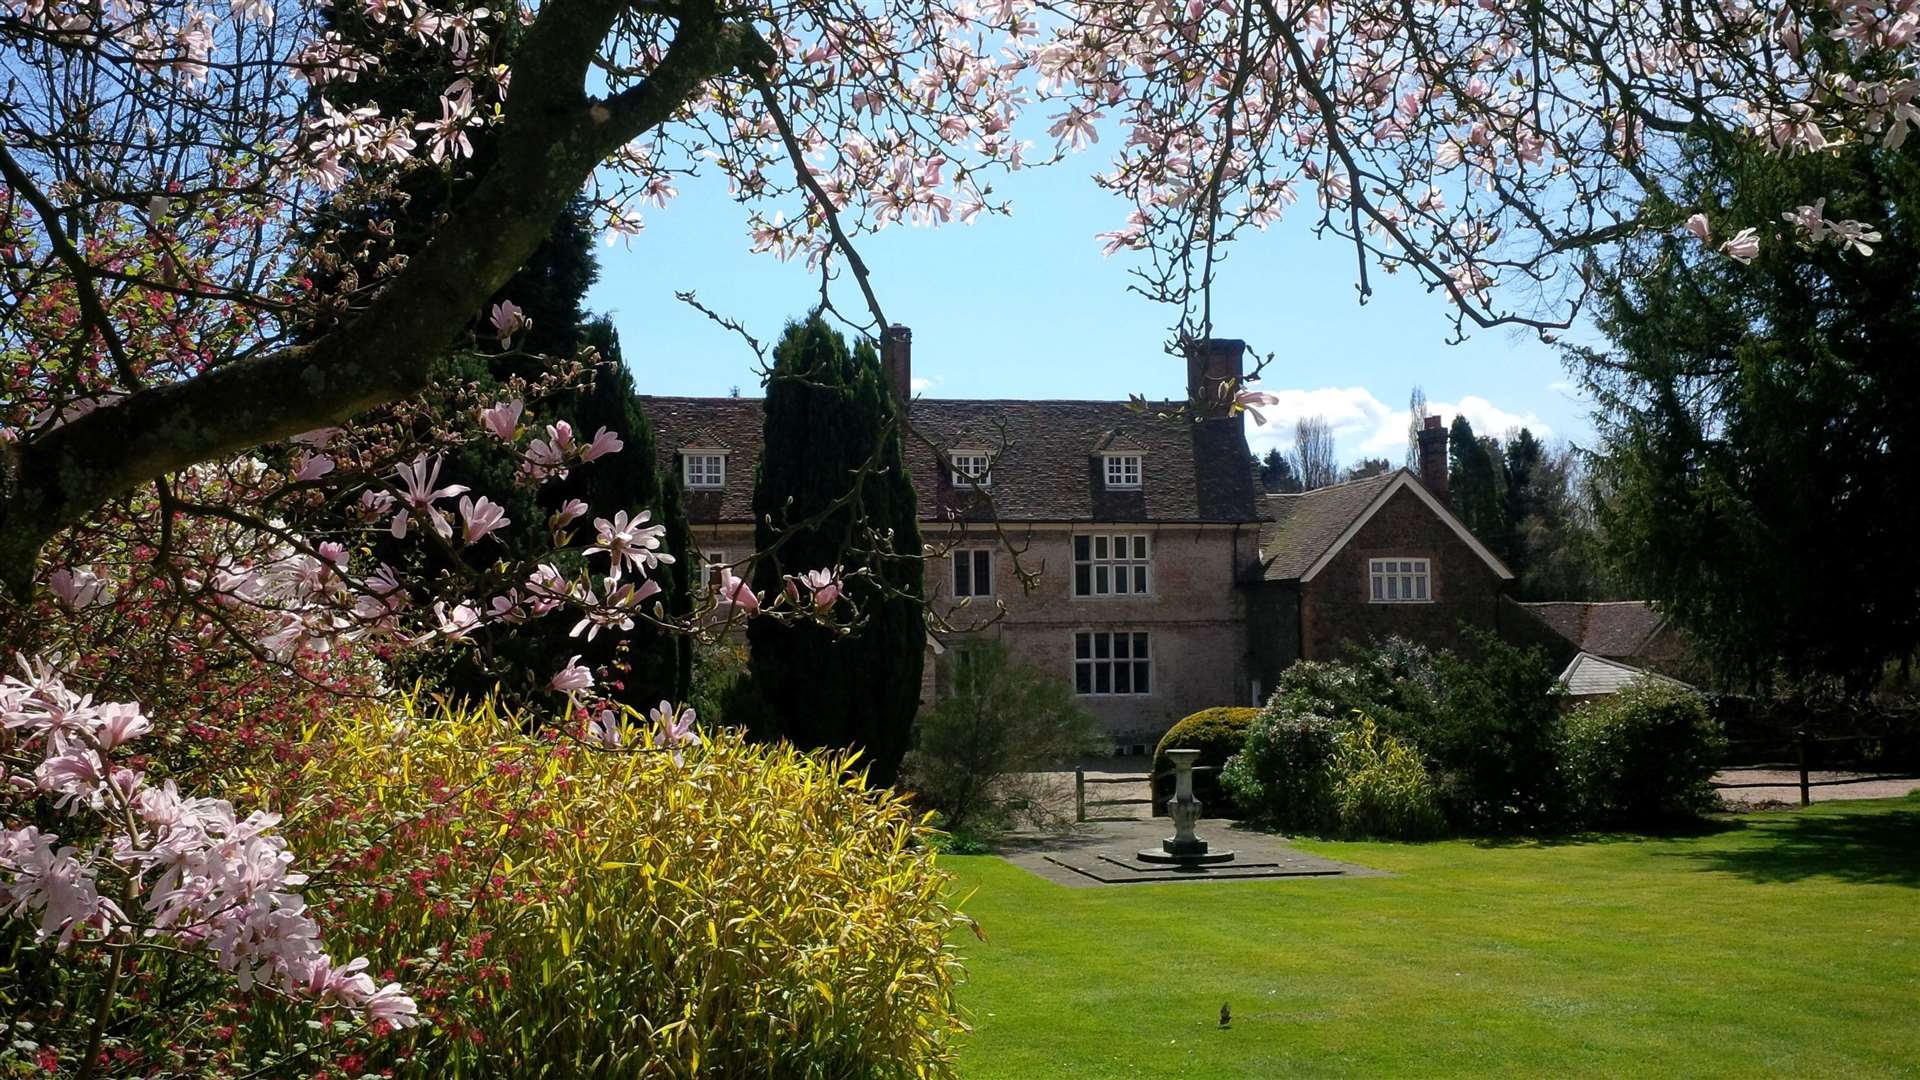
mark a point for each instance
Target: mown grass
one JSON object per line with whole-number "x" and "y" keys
{"x": 1784, "y": 943}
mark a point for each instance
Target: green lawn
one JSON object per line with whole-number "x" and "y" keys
{"x": 1785, "y": 943}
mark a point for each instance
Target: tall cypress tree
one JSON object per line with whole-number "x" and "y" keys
{"x": 832, "y": 434}
{"x": 1472, "y": 484}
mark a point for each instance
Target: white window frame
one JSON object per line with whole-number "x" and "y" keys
{"x": 1116, "y": 469}
{"x": 1126, "y": 575}
{"x": 687, "y": 458}
{"x": 972, "y": 558}
{"x": 1400, "y": 580}
{"x": 1135, "y": 665}
{"x": 972, "y": 475}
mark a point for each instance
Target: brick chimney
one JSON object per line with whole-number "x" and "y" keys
{"x": 1433, "y": 457}
{"x": 896, "y": 361}
{"x": 1214, "y": 367}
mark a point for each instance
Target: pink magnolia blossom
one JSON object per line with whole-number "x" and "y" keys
{"x": 572, "y": 678}
{"x": 503, "y": 420}
{"x": 419, "y": 479}
{"x": 77, "y": 588}
{"x": 673, "y": 730}
{"x": 508, "y": 320}
{"x": 1252, "y": 400}
{"x": 734, "y": 593}
{"x": 629, "y": 543}
{"x": 456, "y": 623}
{"x": 1697, "y": 225}
{"x": 569, "y": 512}
{"x": 604, "y": 442}
{"x": 480, "y": 518}
{"x": 311, "y": 467}
{"x": 1743, "y": 247}
{"x": 823, "y": 587}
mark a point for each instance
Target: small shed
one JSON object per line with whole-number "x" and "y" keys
{"x": 1588, "y": 676}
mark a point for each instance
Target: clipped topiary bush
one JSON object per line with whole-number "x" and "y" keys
{"x": 1643, "y": 756}
{"x": 1380, "y": 787}
{"x": 561, "y": 909}
{"x": 1281, "y": 776}
{"x": 1218, "y": 734}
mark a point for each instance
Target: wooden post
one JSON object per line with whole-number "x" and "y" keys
{"x": 1079, "y": 793}
{"x": 1800, "y": 745}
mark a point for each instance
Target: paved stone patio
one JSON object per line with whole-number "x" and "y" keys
{"x": 1103, "y": 853}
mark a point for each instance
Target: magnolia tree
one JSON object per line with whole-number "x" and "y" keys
{"x": 177, "y": 390}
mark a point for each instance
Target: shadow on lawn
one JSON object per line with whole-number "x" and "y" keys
{"x": 1877, "y": 849}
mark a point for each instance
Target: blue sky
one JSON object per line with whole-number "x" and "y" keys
{"x": 1027, "y": 306}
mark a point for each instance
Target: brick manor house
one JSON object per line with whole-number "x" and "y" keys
{"x": 1170, "y": 581}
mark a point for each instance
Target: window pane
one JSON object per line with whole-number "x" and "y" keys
{"x": 1123, "y": 678}
{"x": 1103, "y": 678}
{"x": 1120, "y": 643}
{"x": 1140, "y": 645}
{"x": 1139, "y": 579}
{"x": 1099, "y": 547}
{"x": 962, "y": 574}
{"x": 1119, "y": 579}
{"x": 1080, "y": 547}
{"x": 1101, "y": 643}
{"x": 1083, "y": 678}
{"x": 983, "y": 573}
{"x": 1140, "y": 677}
{"x": 1420, "y": 583}
{"x": 1082, "y": 646}
{"x": 1379, "y": 588}
{"x": 1100, "y": 586}
{"x": 1140, "y": 547}
{"x": 1083, "y": 580}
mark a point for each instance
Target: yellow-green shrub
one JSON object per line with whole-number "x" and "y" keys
{"x": 562, "y": 910}
{"x": 1380, "y": 785}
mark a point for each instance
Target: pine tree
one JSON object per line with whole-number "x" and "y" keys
{"x": 832, "y": 490}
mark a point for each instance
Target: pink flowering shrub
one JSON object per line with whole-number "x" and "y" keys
{"x": 140, "y": 875}
{"x": 560, "y": 907}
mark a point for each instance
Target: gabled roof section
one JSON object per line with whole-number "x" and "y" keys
{"x": 1588, "y": 675}
{"x": 703, "y": 439}
{"x": 1614, "y": 628}
{"x": 1044, "y": 463}
{"x": 1120, "y": 441}
{"x": 1310, "y": 528}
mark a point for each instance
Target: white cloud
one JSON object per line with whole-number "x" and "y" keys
{"x": 1363, "y": 425}
{"x": 920, "y": 384}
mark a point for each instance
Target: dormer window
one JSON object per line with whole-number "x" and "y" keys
{"x": 971, "y": 468}
{"x": 1123, "y": 470}
{"x": 703, "y": 469}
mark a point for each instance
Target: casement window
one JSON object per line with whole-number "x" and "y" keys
{"x": 701, "y": 469}
{"x": 1400, "y": 581}
{"x": 1112, "y": 662}
{"x": 1112, "y": 565}
{"x": 1123, "y": 470}
{"x": 972, "y": 572}
{"x": 970, "y": 468}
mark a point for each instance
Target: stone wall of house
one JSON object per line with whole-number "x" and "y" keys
{"x": 1195, "y": 618}
{"x": 1193, "y": 614}
{"x": 1335, "y": 607}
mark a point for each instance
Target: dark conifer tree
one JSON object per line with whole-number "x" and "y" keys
{"x": 833, "y": 490}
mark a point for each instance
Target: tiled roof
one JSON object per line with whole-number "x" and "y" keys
{"x": 1045, "y": 463}
{"x": 1589, "y": 674}
{"x": 1305, "y": 525}
{"x": 1619, "y": 628}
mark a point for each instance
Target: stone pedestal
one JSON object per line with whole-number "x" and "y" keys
{"x": 1183, "y": 847}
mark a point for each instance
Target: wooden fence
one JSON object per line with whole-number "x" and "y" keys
{"x": 1081, "y": 802}
{"x": 1801, "y": 745}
